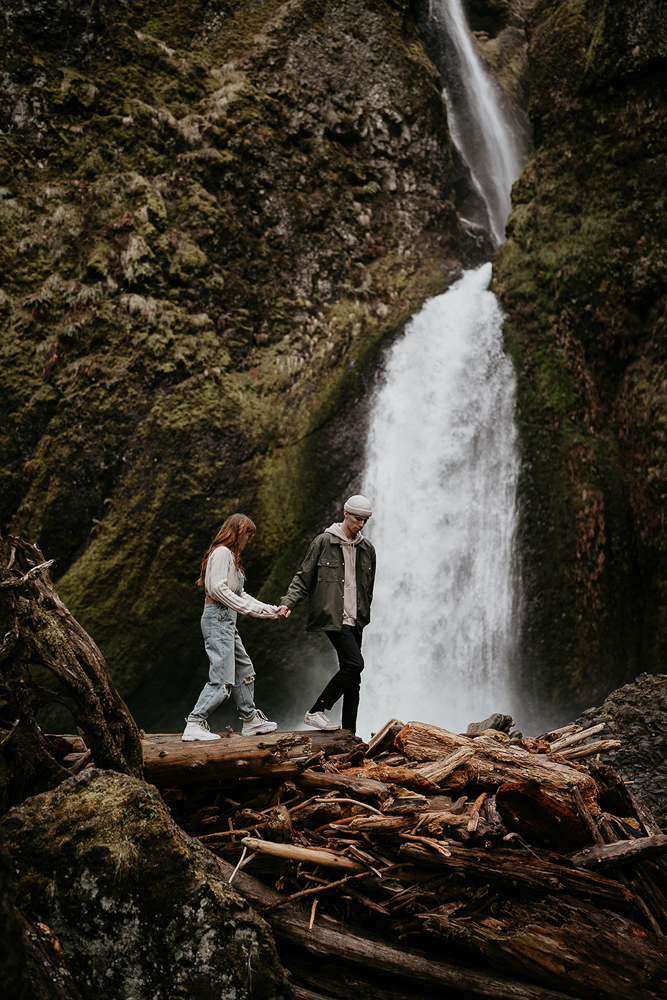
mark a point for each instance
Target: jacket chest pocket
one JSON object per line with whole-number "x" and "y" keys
{"x": 327, "y": 570}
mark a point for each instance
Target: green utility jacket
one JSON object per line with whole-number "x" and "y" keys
{"x": 321, "y": 579}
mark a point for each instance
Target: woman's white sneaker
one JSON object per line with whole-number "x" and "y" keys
{"x": 258, "y": 724}
{"x": 198, "y": 731}
{"x": 319, "y": 721}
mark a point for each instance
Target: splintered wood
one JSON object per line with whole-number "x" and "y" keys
{"x": 425, "y": 861}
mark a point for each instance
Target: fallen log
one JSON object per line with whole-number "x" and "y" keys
{"x": 328, "y": 938}
{"x": 365, "y": 788}
{"x": 406, "y": 777}
{"x": 522, "y": 871}
{"x": 494, "y": 764}
{"x": 278, "y": 756}
{"x": 623, "y": 852}
{"x": 601, "y": 957}
{"x": 540, "y": 818}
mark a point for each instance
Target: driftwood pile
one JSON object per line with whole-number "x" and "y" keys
{"x": 477, "y": 864}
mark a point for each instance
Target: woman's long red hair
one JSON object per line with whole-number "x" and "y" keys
{"x": 230, "y": 534}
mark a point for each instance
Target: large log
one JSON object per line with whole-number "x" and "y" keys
{"x": 522, "y": 871}
{"x": 623, "y": 852}
{"x": 275, "y": 756}
{"x": 540, "y": 818}
{"x": 599, "y": 956}
{"x": 365, "y": 788}
{"x": 328, "y": 938}
{"x": 494, "y": 763}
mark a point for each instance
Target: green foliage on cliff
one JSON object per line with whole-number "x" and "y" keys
{"x": 582, "y": 279}
{"x": 212, "y": 214}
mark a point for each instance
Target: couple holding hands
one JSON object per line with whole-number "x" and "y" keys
{"x": 336, "y": 576}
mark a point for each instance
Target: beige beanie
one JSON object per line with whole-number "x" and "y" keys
{"x": 358, "y": 505}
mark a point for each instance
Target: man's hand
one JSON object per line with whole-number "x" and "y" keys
{"x": 283, "y": 611}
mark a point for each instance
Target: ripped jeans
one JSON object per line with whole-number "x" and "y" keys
{"x": 230, "y": 668}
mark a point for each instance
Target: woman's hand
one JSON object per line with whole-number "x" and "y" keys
{"x": 283, "y": 611}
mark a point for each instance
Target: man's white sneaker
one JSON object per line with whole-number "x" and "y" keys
{"x": 198, "y": 731}
{"x": 258, "y": 724}
{"x": 319, "y": 721}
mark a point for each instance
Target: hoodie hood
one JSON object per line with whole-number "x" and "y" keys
{"x": 337, "y": 530}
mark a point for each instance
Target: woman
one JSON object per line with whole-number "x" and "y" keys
{"x": 230, "y": 668}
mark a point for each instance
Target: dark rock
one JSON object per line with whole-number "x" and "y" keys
{"x": 503, "y": 723}
{"x": 139, "y": 908}
{"x": 212, "y": 218}
{"x": 634, "y": 713}
{"x": 581, "y": 282}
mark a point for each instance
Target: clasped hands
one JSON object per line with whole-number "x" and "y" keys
{"x": 283, "y": 611}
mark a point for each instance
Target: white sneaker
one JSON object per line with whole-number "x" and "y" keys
{"x": 198, "y": 731}
{"x": 258, "y": 724}
{"x": 319, "y": 721}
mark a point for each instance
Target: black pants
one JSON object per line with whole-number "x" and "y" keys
{"x": 346, "y": 682}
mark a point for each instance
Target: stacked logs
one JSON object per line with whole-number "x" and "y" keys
{"x": 482, "y": 864}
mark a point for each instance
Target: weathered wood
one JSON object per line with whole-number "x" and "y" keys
{"x": 583, "y": 734}
{"x": 588, "y": 750}
{"x": 405, "y": 777}
{"x": 580, "y": 949}
{"x": 306, "y": 855}
{"x": 624, "y": 852}
{"x": 441, "y": 769}
{"x": 494, "y": 764}
{"x": 329, "y": 939}
{"x": 275, "y": 756}
{"x": 42, "y": 631}
{"x": 384, "y": 738}
{"x": 540, "y": 818}
{"x": 525, "y": 872}
{"x": 643, "y": 814}
{"x": 365, "y": 788}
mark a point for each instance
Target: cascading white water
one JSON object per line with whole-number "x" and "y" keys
{"x": 478, "y": 123}
{"x": 441, "y": 471}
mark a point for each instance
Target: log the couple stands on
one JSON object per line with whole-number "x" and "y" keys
{"x": 486, "y": 865}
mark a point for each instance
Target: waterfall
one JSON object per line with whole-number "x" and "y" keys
{"x": 478, "y": 123}
{"x": 442, "y": 466}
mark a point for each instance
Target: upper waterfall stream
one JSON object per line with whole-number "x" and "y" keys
{"x": 442, "y": 465}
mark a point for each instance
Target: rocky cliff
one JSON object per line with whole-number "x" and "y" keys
{"x": 582, "y": 280}
{"x": 213, "y": 213}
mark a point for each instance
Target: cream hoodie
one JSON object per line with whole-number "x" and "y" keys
{"x": 220, "y": 584}
{"x": 350, "y": 560}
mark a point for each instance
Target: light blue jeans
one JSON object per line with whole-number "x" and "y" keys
{"x": 230, "y": 668}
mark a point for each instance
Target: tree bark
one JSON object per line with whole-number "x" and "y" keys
{"x": 276, "y": 756}
{"x": 42, "y": 631}
{"x": 623, "y": 852}
{"x": 521, "y": 871}
{"x": 494, "y": 763}
{"x": 329, "y": 939}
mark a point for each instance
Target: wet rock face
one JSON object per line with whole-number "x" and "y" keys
{"x": 139, "y": 909}
{"x": 637, "y": 715}
{"x": 583, "y": 287}
{"x": 212, "y": 216}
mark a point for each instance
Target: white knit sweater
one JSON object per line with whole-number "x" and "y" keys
{"x": 220, "y": 584}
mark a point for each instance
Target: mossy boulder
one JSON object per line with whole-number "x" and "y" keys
{"x": 582, "y": 281}
{"x": 213, "y": 215}
{"x": 140, "y": 909}
{"x": 636, "y": 715}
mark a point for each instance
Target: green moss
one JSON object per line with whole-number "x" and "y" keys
{"x": 588, "y": 338}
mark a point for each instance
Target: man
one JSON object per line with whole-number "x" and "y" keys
{"x": 337, "y": 577}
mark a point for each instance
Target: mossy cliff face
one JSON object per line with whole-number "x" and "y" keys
{"x": 139, "y": 909}
{"x": 582, "y": 280}
{"x": 212, "y": 214}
